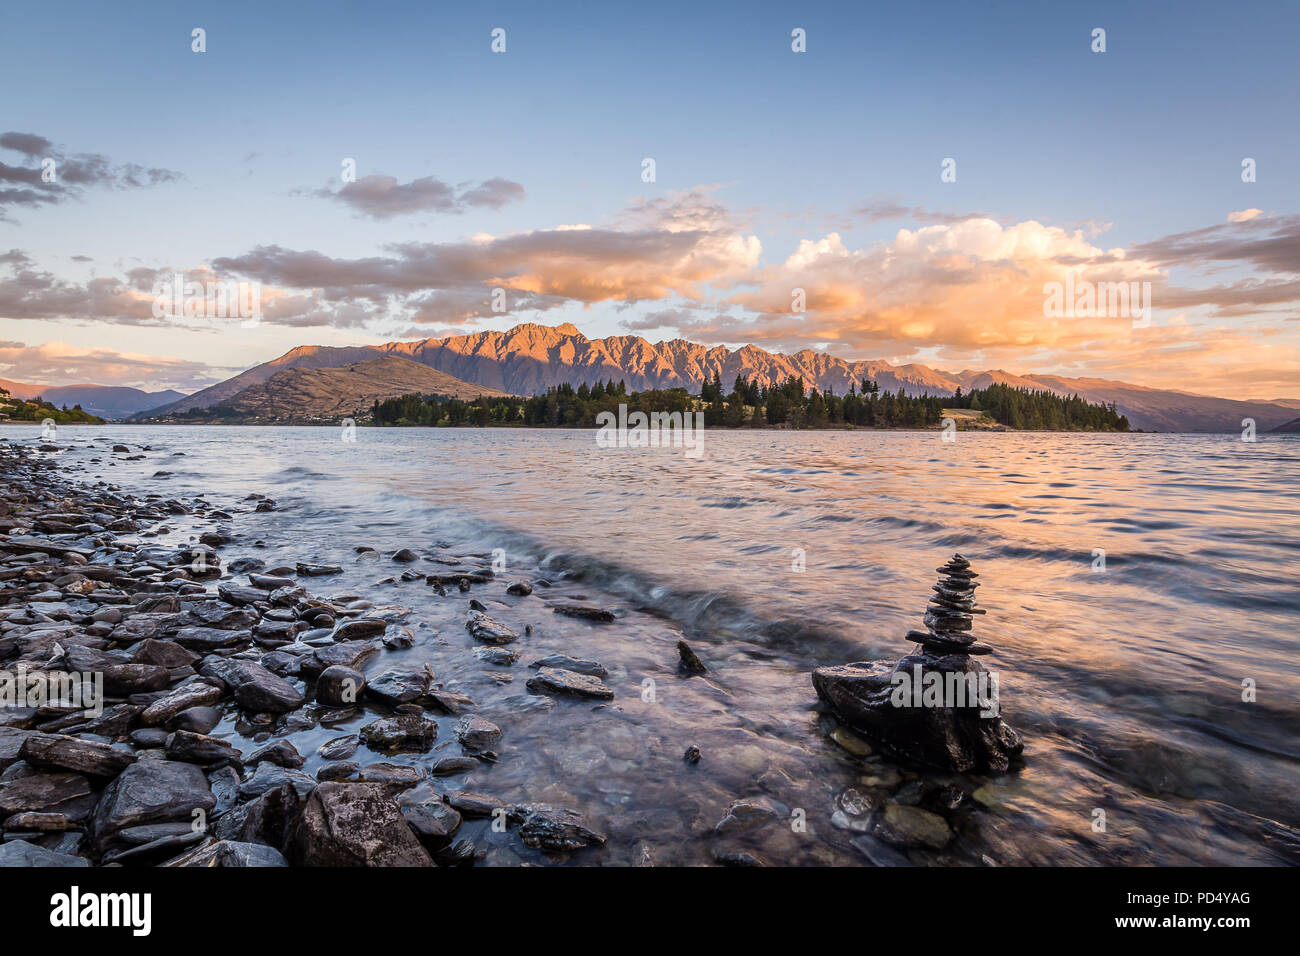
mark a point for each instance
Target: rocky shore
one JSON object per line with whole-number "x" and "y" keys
{"x": 120, "y": 655}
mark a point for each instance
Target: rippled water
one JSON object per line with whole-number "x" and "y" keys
{"x": 1126, "y": 683}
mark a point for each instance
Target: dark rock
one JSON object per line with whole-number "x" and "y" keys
{"x": 555, "y": 680}
{"x": 520, "y": 589}
{"x": 256, "y": 689}
{"x": 475, "y": 805}
{"x": 187, "y": 746}
{"x": 475, "y": 733}
{"x": 435, "y": 823}
{"x": 354, "y": 824}
{"x": 66, "y": 793}
{"x": 485, "y": 629}
{"x": 195, "y": 694}
{"x": 223, "y": 853}
{"x": 339, "y": 686}
{"x": 499, "y": 656}
{"x": 405, "y": 555}
{"x": 399, "y": 685}
{"x": 561, "y": 661}
{"x": 318, "y": 570}
{"x": 555, "y": 829}
{"x": 199, "y": 720}
{"x": 149, "y": 792}
{"x": 407, "y": 733}
{"x": 692, "y": 755}
{"x": 688, "y": 662}
{"x": 448, "y": 766}
{"x": 21, "y": 853}
{"x": 596, "y": 614}
{"x": 279, "y": 752}
{"x": 59, "y": 752}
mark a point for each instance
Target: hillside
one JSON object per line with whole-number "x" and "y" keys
{"x": 530, "y": 358}
{"x": 328, "y": 394}
{"x": 105, "y": 401}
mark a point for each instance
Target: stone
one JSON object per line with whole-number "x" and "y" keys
{"x": 475, "y": 733}
{"x": 317, "y": 570}
{"x": 598, "y": 615}
{"x": 591, "y": 668}
{"x": 410, "y": 733}
{"x": 354, "y": 824}
{"x": 399, "y": 685}
{"x": 435, "y": 823}
{"x": 339, "y": 686}
{"x": 475, "y": 805}
{"x": 499, "y": 656}
{"x": 448, "y": 766}
{"x": 148, "y": 792}
{"x": 485, "y": 629}
{"x": 360, "y": 628}
{"x": 745, "y": 815}
{"x": 279, "y": 752}
{"x": 688, "y": 662}
{"x": 202, "y": 749}
{"x": 66, "y": 793}
{"x": 520, "y": 589}
{"x": 902, "y": 825}
{"x": 557, "y": 680}
{"x": 256, "y": 689}
{"x": 223, "y": 853}
{"x": 59, "y": 752}
{"x": 24, "y": 854}
{"x": 555, "y": 829}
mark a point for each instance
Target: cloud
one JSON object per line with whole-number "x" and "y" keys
{"x": 73, "y": 173}
{"x": 1270, "y": 243}
{"x": 1244, "y": 215}
{"x": 885, "y": 210}
{"x": 383, "y": 197}
{"x": 675, "y": 246}
{"x": 58, "y": 363}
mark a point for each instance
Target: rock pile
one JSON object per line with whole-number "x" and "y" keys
{"x": 937, "y": 706}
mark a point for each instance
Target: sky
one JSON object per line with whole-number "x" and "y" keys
{"x": 799, "y": 199}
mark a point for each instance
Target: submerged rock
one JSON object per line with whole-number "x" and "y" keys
{"x": 561, "y": 681}
{"x": 485, "y": 629}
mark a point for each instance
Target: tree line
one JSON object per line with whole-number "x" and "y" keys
{"x": 790, "y": 404}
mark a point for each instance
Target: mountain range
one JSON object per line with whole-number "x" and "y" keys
{"x": 529, "y": 358}
{"x": 106, "y": 401}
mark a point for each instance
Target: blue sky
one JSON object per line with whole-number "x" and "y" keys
{"x": 1133, "y": 145}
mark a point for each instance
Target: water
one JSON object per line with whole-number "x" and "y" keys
{"x": 1126, "y": 683}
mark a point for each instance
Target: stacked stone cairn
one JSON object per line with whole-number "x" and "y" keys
{"x": 964, "y": 735}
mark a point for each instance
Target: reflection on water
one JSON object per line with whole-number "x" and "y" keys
{"x": 1126, "y": 682}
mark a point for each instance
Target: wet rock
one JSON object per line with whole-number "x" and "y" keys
{"x": 435, "y": 823}
{"x": 349, "y": 654}
{"x": 934, "y": 706}
{"x": 256, "y": 689}
{"x": 221, "y": 616}
{"x": 339, "y": 686}
{"x": 563, "y": 662}
{"x": 399, "y": 685}
{"x": 745, "y": 815}
{"x": 405, "y": 556}
{"x": 318, "y": 570}
{"x": 65, "y": 793}
{"x": 205, "y": 639}
{"x": 851, "y": 742}
{"x": 360, "y": 628}
{"x": 354, "y": 824}
{"x": 149, "y": 792}
{"x": 520, "y": 589}
{"x": 687, "y": 662}
{"x": 340, "y": 748}
{"x": 911, "y": 826}
{"x": 195, "y": 694}
{"x": 162, "y": 654}
{"x": 399, "y": 638}
{"x": 558, "y": 681}
{"x": 20, "y": 853}
{"x": 475, "y": 733}
{"x": 223, "y": 853}
{"x": 268, "y": 776}
{"x": 59, "y": 752}
{"x": 199, "y": 720}
{"x": 448, "y": 766}
{"x": 410, "y": 733}
{"x": 282, "y": 753}
{"x": 555, "y": 829}
{"x": 200, "y": 748}
{"x": 692, "y": 755}
{"x": 499, "y": 656}
{"x": 598, "y": 615}
{"x": 475, "y": 805}
{"x": 485, "y": 629}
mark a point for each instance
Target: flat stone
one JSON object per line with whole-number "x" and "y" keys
{"x": 256, "y": 689}
{"x": 578, "y": 666}
{"x": 399, "y": 685}
{"x": 59, "y": 752}
{"x": 20, "y": 853}
{"x": 585, "y": 612}
{"x": 559, "y": 681}
{"x": 485, "y": 629}
{"x": 149, "y": 792}
{"x": 911, "y": 826}
{"x": 195, "y": 694}
{"x": 410, "y": 733}
{"x": 475, "y": 733}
